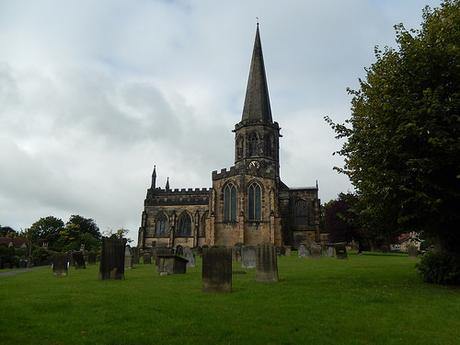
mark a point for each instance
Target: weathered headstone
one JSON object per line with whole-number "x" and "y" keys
{"x": 91, "y": 258}
{"x": 287, "y": 250}
{"x": 341, "y": 251}
{"x": 190, "y": 256}
{"x": 112, "y": 265}
{"x": 330, "y": 251}
{"x": 60, "y": 264}
{"x": 412, "y": 251}
{"x": 171, "y": 264}
{"x": 179, "y": 250}
{"x": 236, "y": 253}
{"x": 315, "y": 251}
{"x": 78, "y": 260}
{"x": 266, "y": 264}
{"x": 161, "y": 251}
{"x": 248, "y": 257}
{"x": 217, "y": 270}
{"x": 302, "y": 251}
{"x": 136, "y": 255}
{"x": 128, "y": 257}
{"x": 147, "y": 258}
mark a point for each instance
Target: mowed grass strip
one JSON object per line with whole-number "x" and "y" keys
{"x": 366, "y": 299}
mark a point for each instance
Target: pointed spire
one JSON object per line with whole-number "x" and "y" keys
{"x": 154, "y": 177}
{"x": 257, "y": 101}
{"x": 167, "y": 183}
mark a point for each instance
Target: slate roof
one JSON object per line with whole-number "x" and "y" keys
{"x": 257, "y": 102}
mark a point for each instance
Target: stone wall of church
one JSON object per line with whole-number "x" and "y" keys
{"x": 267, "y": 230}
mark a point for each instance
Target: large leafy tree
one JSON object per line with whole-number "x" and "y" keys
{"x": 340, "y": 220}
{"x": 47, "y": 230}
{"x": 402, "y": 147}
{"x": 86, "y": 225}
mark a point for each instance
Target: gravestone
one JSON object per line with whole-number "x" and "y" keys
{"x": 78, "y": 260}
{"x": 60, "y": 264}
{"x": 171, "y": 264}
{"x": 128, "y": 257}
{"x": 179, "y": 250}
{"x": 341, "y": 251}
{"x": 160, "y": 251}
{"x": 112, "y": 265}
{"x": 190, "y": 256}
{"x": 315, "y": 251}
{"x": 330, "y": 251}
{"x": 136, "y": 254}
{"x": 236, "y": 253}
{"x": 412, "y": 251}
{"x": 248, "y": 257}
{"x": 147, "y": 258}
{"x": 266, "y": 263}
{"x": 302, "y": 251}
{"x": 287, "y": 250}
{"x": 91, "y": 258}
{"x": 217, "y": 270}
{"x": 280, "y": 251}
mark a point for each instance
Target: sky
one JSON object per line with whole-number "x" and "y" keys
{"x": 94, "y": 93}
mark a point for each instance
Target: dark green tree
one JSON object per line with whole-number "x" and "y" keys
{"x": 340, "y": 219}
{"x": 47, "y": 230}
{"x": 87, "y": 226}
{"x": 402, "y": 147}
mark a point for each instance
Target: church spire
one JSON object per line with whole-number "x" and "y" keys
{"x": 154, "y": 177}
{"x": 167, "y": 183}
{"x": 257, "y": 102}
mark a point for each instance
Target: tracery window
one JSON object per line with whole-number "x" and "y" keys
{"x": 254, "y": 202}
{"x": 252, "y": 144}
{"x": 161, "y": 225}
{"x": 301, "y": 212}
{"x": 184, "y": 225}
{"x": 230, "y": 203}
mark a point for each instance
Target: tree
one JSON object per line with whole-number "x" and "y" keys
{"x": 340, "y": 220}
{"x": 402, "y": 147}
{"x": 86, "y": 225}
{"x": 45, "y": 230}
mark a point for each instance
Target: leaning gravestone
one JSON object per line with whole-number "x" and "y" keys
{"x": 248, "y": 257}
{"x": 188, "y": 254}
{"x": 315, "y": 251}
{"x": 112, "y": 264}
{"x": 266, "y": 264}
{"x": 171, "y": 264}
{"x": 412, "y": 251}
{"x": 217, "y": 270}
{"x": 128, "y": 258}
{"x": 302, "y": 251}
{"x": 78, "y": 260}
{"x": 136, "y": 254}
{"x": 341, "y": 251}
{"x": 60, "y": 265}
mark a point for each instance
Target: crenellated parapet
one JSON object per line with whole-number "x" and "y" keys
{"x": 224, "y": 173}
{"x": 182, "y": 196}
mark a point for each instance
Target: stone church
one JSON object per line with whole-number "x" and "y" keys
{"x": 247, "y": 203}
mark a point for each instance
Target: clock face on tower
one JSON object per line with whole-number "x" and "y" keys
{"x": 254, "y": 165}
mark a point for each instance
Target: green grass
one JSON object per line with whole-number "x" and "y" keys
{"x": 363, "y": 300}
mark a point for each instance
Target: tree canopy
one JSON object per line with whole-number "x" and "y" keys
{"x": 402, "y": 147}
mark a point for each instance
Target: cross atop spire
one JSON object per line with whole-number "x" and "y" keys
{"x": 257, "y": 102}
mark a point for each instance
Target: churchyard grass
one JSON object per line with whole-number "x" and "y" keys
{"x": 368, "y": 299}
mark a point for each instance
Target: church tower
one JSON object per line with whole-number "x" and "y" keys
{"x": 256, "y": 135}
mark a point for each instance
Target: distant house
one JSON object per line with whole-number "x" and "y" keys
{"x": 406, "y": 239}
{"x": 17, "y": 242}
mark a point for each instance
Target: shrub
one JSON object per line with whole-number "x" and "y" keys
{"x": 440, "y": 268}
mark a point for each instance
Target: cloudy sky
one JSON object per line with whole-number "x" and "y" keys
{"x": 94, "y": 93}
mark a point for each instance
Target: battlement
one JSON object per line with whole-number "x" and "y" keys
{"x": 224, "y": 173}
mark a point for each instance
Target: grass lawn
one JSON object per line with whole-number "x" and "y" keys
{"x": 366, "y": 299}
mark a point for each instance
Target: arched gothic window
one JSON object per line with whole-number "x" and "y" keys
{"x": 230, "y": 203}
{"x": 161, "y": 225}
{"x": 202, "y": 231}
{"x": 184, "y": 225}
{"x": 252, "y": 144}
{"x": 301, "y": 212}
{"x": 239, "y": 147}
{"x": 254, "y": 202}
